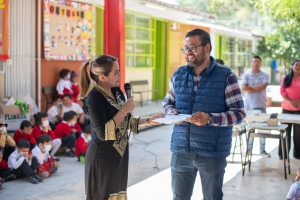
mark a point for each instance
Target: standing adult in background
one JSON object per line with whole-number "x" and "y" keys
{"x": 219, "y": 61}
{"x": 254, "y": 84}
{"x": 106, "y": 160}
{"x": 290, "y": 92}
{"x": 211, "y": 94}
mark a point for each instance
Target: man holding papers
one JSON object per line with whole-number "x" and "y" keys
{"x": 211, "y": 94}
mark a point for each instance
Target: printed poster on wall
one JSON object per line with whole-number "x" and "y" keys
{"x": 4, "y": 30}
{"x": 68, "y": 30}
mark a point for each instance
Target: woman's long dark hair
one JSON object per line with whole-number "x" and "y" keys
{"x": 289, "y": 77}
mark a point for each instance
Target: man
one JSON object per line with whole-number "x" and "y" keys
{"x": 68, "y": 105}
{"x": 211, "y": 94}
{"x": 254, "y": 85}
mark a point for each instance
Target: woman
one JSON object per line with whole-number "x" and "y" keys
{"x": 290, "y": 92}
{"x": 106, "y": 161}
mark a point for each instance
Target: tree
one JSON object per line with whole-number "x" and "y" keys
{"x": 283, "y": 45}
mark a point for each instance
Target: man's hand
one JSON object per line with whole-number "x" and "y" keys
{"x": 199, "y": 118}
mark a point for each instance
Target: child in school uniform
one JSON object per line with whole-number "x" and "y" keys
{"x": 7, "y": 144}
{"x": 63, "y": 132}
{"x": 25, "y": 132}
{"x": 42, "y": 127}
{"x": 64, "y": 85}
{"x": 294, "y": 192}
{"x": 74, "y": 85}
{"x": 55, "y": 111}
{"x": 23, "y": 163}
{"x": 82, "y": 143}
{"x": 5, "y": 172}
{"x": 47, "y": 165}
{"x": 75, "y": 127}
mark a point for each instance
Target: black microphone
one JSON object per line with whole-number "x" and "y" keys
{"x": 127, "y": 89}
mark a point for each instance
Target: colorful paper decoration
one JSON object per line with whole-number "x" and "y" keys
{"x": 68, "y": 30}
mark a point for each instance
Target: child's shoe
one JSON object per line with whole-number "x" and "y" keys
{"x": 10, "y": 177}
{"x": 53, "y": 170}
{"x": 36, "y": 176}
{"x": 32, "y": 179}
{"x": 70, "y": 154}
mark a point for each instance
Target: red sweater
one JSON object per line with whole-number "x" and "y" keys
{"x": 62, "y": 129}
{"x": 81, "y": 146}
{"x": 75, "y": 88}
{"x": 37, "y": 132}
{"x": 19, "y": 135}
{"x": 3, "y": 164}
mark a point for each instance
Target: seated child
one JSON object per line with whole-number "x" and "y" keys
{"x": 42, "y": 127}
{"x": 5, "y": 172}
{"x": 74, "y": 85}
{"x": 25, "y": 132}
{"x": 294, "y": 192}
{"x": 75, "y": 127}
{"x": 6, "y": 142}
{"x": 47, "y": 165}
{"x": 63, "y": 132}
{"x": 24, "y": 164}
{"x": 64, "y": 85}
{"x": 55, "y": 111}
{"x": 82, "y": 143}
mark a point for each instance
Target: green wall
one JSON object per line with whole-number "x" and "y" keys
{"x": 159, "y": 73}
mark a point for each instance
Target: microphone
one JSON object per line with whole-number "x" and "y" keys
{"x": 127, "y": 89}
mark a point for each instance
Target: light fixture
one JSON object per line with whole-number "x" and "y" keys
{"x": 154, "y": 7}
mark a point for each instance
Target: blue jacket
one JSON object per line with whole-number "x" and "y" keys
{"x": 208, "y": 140}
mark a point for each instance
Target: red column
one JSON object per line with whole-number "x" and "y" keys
{"x": 114, "y": 32}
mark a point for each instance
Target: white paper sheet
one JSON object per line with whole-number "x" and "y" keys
{"x": 172, "y": 119}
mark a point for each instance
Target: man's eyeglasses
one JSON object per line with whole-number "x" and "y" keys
{"x": 192, "y": 47}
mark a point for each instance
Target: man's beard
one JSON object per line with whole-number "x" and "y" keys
{"x": 198, "y": 60}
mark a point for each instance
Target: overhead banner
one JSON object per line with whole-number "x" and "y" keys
{"x": 68, "y": 30}
{"x": 4, "y": 42}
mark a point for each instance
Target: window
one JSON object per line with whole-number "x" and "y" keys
{"x": 139, "y": 41}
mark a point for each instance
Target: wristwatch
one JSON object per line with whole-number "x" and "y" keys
{"x": 210, "y": 119}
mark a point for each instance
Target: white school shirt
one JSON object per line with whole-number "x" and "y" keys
{"x": 15, "y": 160}
{"x": 62, "y": 83}
{"x": 40, "y": 154}
{"x": 294, "y": 192}
{"x": 74, "y": 107}
{"x": 52, "y": 113}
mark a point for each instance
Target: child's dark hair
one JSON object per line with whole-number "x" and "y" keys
{"x": 63, "y": 73}
{"x": 38, "y": 117}
{"x": 67, "y": 95}
{"x": 69, "y": 115}
{"x": 55, "y": 98}
{"x": 23, "y": 144}
{"x": 43, "y": 138}
{"x": 25, "y": 124}
{"x": 88, "y": 130}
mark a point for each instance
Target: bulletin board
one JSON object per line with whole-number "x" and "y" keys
{"x": 68, "y": 30}
{"x": 4, "y": 42}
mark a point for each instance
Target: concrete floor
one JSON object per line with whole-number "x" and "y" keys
{"x": 149, "y": 173}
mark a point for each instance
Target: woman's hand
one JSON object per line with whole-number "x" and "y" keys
{"x": 154, "y": 117}
{"x": 128, "y": 105}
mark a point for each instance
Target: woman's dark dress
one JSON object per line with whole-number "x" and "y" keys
{"x": 106, "y": 161}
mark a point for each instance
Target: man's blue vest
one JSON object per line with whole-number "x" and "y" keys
{"x": 208, "y": 140}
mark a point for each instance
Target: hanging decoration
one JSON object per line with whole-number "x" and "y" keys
{"x": 68, "y": 30}
{"x": 4, "y": 34}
